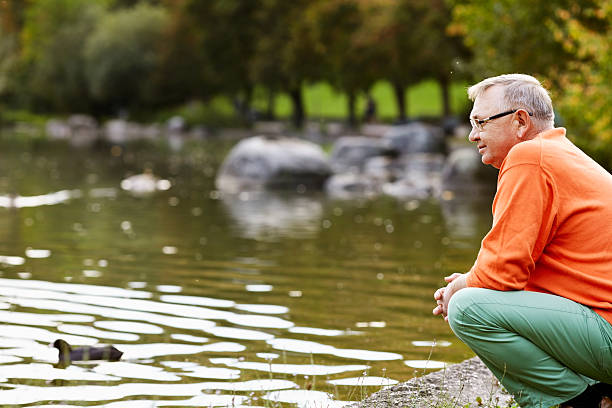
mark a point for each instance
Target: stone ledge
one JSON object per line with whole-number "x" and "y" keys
{"x": 469, "y": 382}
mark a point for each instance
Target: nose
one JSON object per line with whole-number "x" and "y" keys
{"x": 474, "y": 135}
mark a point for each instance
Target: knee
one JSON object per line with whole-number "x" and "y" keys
{"x": 459, "y": 307}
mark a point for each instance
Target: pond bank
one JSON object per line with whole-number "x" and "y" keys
{"x": 469, "y": 382}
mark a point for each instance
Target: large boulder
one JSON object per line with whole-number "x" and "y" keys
{"x": 273, "y": 163}
{"x": 416, "y": 137}
{"x": 350, "y": 153}
{"x": 465, "y": 174}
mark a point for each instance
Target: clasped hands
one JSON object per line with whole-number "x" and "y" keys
{"x": 442, "y": 296}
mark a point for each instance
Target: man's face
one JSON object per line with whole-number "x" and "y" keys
{"x": 496, "y": 138}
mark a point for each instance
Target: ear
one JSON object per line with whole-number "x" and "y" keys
{"x": 523, "y": 123}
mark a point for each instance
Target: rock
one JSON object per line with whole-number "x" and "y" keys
{"x": 84, "y": 130}
{"x": 412, "y": 186}
{"x": 57, "y": 130}
{"x": 416, "y": 137}
{"x": 176, "y": 124}
{"x": 449, "y": 124}
{"x": 420, "y": 176}
{"x": 375, "y": 129}
{"x": 424, "y": 163}
{"x": 82, "y": 122}
{"x": 79, "y": 130}
{"x": 120, "y": 131}
{"x": 464, "y": 173}
{"x": 335, "y": 128}
{"x": 348, "y": 186}
{"x": 274, "y": 163}
{"x": 469, "y": 383}
{"x": 384, "y": 168}
{"x": 350, "y": 153}
{"x": 269, "y": 127}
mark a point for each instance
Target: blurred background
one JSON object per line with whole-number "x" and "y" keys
{"x": 223, "y": 62}
{"x": 150, "y": 195}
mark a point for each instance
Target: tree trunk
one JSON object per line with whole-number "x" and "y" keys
{"x": 400, "y": 99}
{"x": 352, "y": 117}
{"x": 445, "y": 88}
{"x": 298, "y": 107}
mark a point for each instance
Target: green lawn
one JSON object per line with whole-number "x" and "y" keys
{"x": 323, "y": 101}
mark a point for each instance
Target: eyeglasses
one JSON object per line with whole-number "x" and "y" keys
{"x": 479, "y": 123}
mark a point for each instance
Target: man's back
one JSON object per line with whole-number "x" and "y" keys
{"x": 551, "y": 228}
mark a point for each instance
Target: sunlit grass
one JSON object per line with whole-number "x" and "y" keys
{"x": 323, "y": 101}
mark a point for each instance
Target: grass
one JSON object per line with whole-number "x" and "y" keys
{"x": 322, "y": 101}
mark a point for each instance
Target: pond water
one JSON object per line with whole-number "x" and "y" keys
{"x": 255, "y": 299}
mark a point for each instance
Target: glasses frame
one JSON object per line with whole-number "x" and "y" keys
{"x": 479, "y": 123}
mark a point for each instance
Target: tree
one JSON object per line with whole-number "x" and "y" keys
{"x": 510, "y": 35}
{"x": 584, "y": 97}
{"x": 222, "y": 35}
{"x": 348, "y": 55}
{"x": 442, "y": 51}
{"x": 53, "y": 41}
{"x": 397, "y": 30}
{"x": 286, "y": 54}
{"x": 565, "y": 43}
{"x": 11, "y": 23}
{"x": 121, "y": 57}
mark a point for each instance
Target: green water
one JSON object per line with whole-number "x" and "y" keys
{"x": 329, "y": 290}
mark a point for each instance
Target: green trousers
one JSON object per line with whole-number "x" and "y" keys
{"x": 544, "y": 349}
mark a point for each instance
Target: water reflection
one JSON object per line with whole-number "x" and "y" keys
{"x": 32, "y": 394}
{"x": 271, "y": 216}
{"x": 295, "y": 369}
{"x": 58, "y": 197}
{"x": 467, "y": 217}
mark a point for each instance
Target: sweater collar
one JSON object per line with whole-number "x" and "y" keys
{"x": 554, "y": 133}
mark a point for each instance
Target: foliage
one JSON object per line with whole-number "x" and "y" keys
{"x": 509, "y": 35}
{"x": 564, "y": 43}
{"x": 52, "y": 54}
{"x": 121, "y": 56}
{"x": 11, "y": 22}
{"x": 584, "y": 99}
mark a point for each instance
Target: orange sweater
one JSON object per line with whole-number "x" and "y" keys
{"x": 552, "y": 225}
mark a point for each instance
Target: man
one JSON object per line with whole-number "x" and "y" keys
{"x": 536, "y": 307}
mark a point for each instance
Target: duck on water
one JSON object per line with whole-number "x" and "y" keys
{"x": 67, "y": 354}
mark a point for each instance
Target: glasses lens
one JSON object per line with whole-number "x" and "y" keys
{"x": 475, "y": 124}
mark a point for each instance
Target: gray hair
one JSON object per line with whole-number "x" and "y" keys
{"x": 520, "y": 91}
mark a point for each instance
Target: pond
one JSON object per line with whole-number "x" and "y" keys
{"x": 254, "y": 299}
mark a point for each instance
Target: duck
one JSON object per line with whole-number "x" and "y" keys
{"x": 67, "y": 354}
{"x": 145, "y": 183}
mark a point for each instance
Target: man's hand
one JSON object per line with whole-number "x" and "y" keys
{"x": 456, "y": 281}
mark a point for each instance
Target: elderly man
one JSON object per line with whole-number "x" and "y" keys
{"x": 536, "y": 307}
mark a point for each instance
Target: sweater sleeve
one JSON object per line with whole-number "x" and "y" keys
{"x": 524, "y": 212}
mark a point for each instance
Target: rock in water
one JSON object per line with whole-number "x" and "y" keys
{"x": 262, "y": 162}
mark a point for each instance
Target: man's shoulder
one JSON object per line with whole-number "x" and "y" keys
{"x": 529, "y": 151}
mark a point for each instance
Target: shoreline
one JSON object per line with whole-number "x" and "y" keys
{"x": 467, "y": 383}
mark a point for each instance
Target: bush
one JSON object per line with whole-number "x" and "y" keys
{"x": 121, "y": 57}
